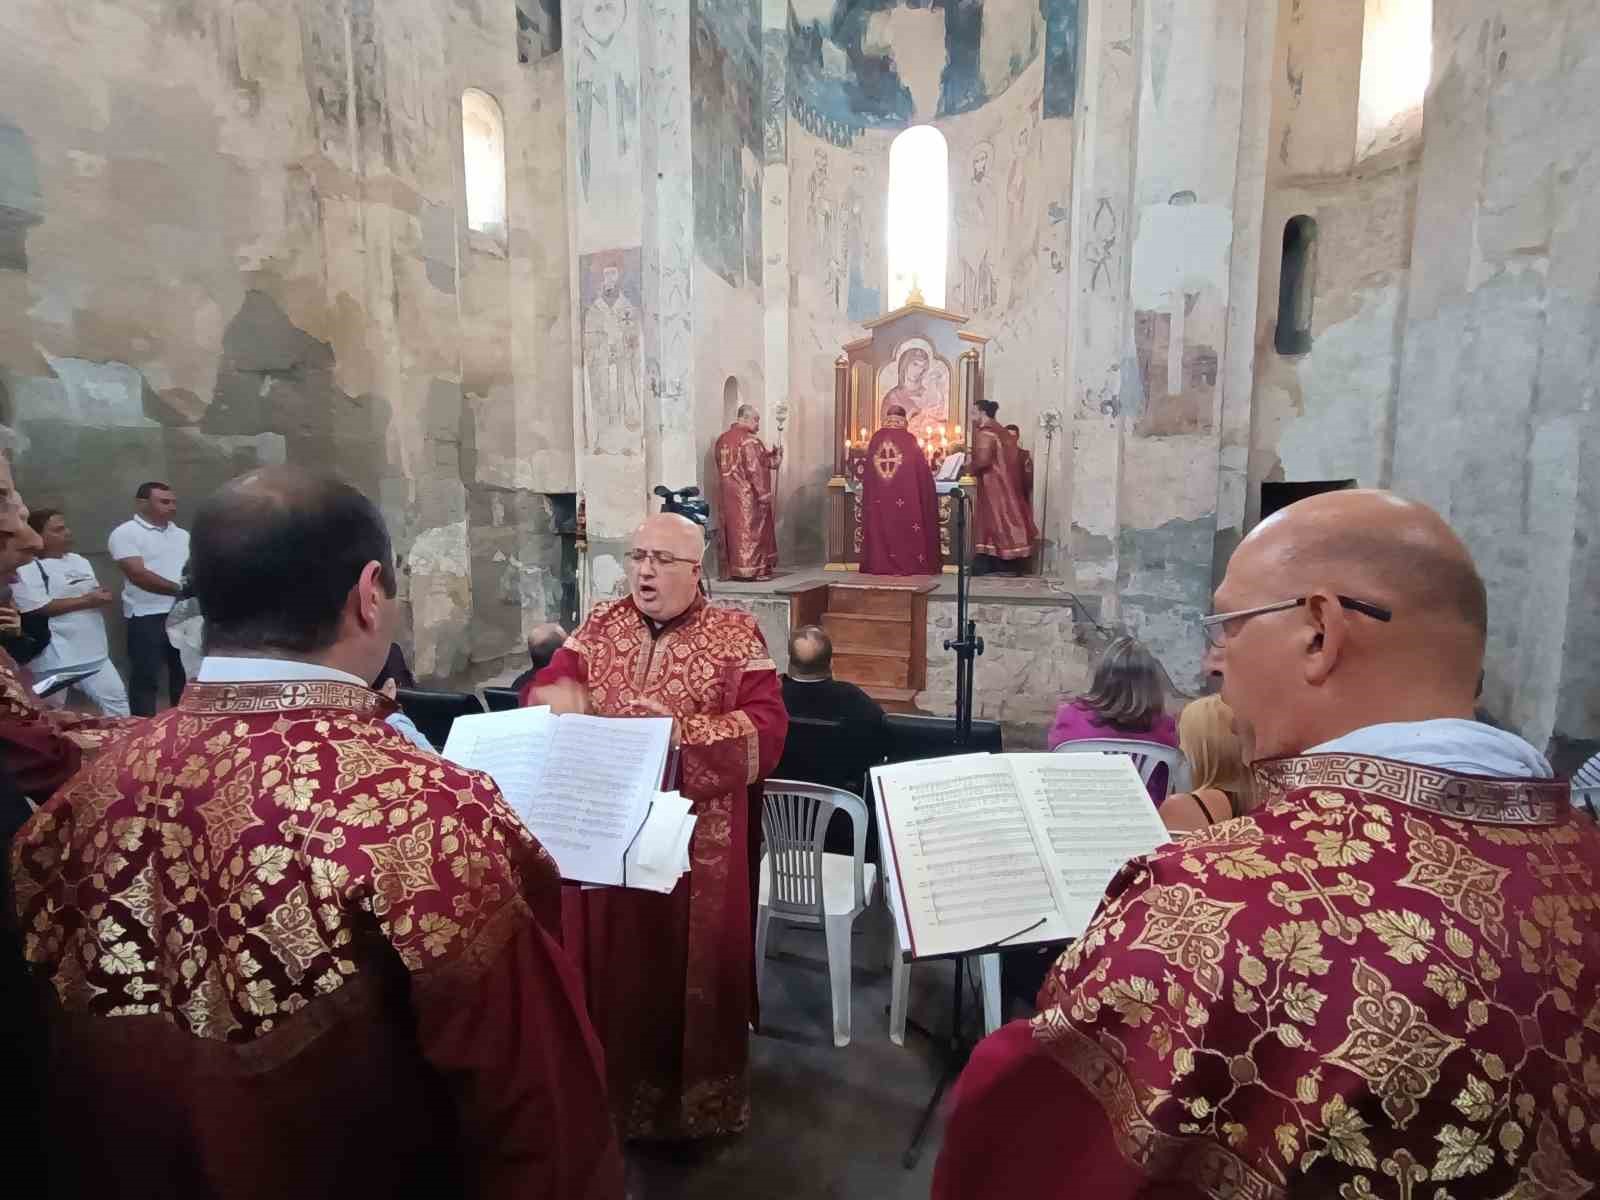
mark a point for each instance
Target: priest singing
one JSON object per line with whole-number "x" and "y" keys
{"x": 1002, "y": 525}
{"x": 745, "y": 467}
{"x": 1385, "y": 981}
{"x": 290, "y": 954}
{"x": 899, "y": 506}
{"x": 669, "y": 979}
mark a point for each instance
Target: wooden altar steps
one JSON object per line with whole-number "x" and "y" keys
{"x": 879, "y": 628}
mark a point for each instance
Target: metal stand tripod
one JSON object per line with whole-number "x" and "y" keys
{"x": 967, "y": 646}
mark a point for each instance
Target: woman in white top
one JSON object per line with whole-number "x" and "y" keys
{"x": 63, "y": 584}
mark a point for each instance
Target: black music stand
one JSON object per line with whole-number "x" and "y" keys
{"x": 967, "y": 646}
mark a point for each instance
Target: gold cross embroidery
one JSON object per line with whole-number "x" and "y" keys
{"x": 1335, "y": 924}
{"x": 887, "y": 461}
{"x": 331, "y": 839}
{"x": 159, "y": 799}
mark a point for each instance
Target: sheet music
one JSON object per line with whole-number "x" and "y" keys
{"x": 599, "y": 776}
{"x": 968, "y": 867}
{"x": 510, "y": 746}
{"x": 1095, "y": 814}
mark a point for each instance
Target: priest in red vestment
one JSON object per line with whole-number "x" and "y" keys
{"x": 40, "y": 747}
{"x": 288, "y": 954}
{"x": 1002, "y": 524}
{"x": 745, "y": 467}
{"x": 670, "y": 979}
{"x": 899, "y": 504}
{"x": 1385, "y": 981}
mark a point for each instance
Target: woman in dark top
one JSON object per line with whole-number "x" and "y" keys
{"x": 1126, "y": 700}
{"x": 1222, "y": 785}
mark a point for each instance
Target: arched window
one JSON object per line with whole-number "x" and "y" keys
{"x": 919, "y": 215}
{"x": 483, "y": 153}
{"x": 1296, "y": 285}
{"x": 1396, "y": 64}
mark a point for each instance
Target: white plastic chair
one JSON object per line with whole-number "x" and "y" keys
{"x": 1587, "y": 799}
{"x": 900, "y": 986}
{"x": 803, "y": 885}
{"x": 1147, "y": 756}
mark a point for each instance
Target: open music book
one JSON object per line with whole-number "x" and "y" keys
{"x": 1007, "y": 848}
{"x": 587, "y": 788}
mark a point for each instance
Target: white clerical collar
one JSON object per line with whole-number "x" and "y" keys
{"x": 228, "y": 668}
{"x": 1450, "y": 743}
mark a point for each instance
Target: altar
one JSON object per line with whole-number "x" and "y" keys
{"x": 920, "y": 358}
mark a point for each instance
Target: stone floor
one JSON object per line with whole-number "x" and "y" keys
{"x": 825, "y": 1123}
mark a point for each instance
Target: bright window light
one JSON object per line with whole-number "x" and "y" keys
{"x": 919, "y": 215}
{"x": 1396, "y": 64}
{"x": 483, "y": 150}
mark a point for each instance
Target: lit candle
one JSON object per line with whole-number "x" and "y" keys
{"x": 863, "y": 435}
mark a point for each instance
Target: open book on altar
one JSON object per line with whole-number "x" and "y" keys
{"x": 992, "y": 850}
{"x": 588, "y": 788}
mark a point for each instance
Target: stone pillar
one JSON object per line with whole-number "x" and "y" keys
{"x": 1497, "y": 422}
{"x": 1157, "y": 172}
{"x": 775, "y": 219}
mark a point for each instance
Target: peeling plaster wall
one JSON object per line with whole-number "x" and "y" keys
{"x": 1329, "y": 413}
{"x": 233, "y": 233}
{"x": 1498, "y": 421}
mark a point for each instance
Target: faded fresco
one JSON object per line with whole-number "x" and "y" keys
{"x": 890, "y": 63}
{"x": 609, "y": 299}
{"x": 1060, "y": 57}
{"x": 727, "y": 146}
{"x": 842, "y": 197}
{"x": 605, "y": 103}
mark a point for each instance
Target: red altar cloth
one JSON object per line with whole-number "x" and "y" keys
{"x": 899, "y": 506}
{"x": 749, "y": 539}
{"x": 1387, "y": 977}
{"x": 670, "y": 980}
{"x": 291, "y": 955}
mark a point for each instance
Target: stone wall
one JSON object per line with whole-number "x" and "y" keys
{"x": 234, "y": 233}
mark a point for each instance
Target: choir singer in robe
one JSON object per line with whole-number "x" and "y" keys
{"x": 1385, "y": 981}
{"x": 290, "y": 954}
{"x": 1002, "y": 525}
{"x": 899, "y": 505}
{"x": 745, "y": 467}
{"x": 670, "y": 979}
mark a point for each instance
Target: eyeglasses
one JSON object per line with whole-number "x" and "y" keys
{"x": 661, "y": 558}
{"x": 1212, "y": 626}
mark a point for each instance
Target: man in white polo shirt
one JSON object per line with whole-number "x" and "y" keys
{"x": 152, "y": 552}
{"x": 64, "y": 585}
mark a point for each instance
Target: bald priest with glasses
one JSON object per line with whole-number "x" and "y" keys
{"x": 669, "y": 979}
{"x": 1382, "y": 981}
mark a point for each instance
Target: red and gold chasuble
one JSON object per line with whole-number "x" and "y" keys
{"x": 899, "y": 506}
{"x": 749, "y": 538}
{"x": 1002, "y": 521}
{"x": 670, "y": 979}
{"x": 1384, "y": 983}
{"x": 293, "y": 955}
{"x": 43, "y": 747}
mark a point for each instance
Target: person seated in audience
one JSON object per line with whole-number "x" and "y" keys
{"x": 1220, "y": 778}
{"x": 1127, "y": 700}
{"x": 838, "y": 758}
{"x": 1383, "y": 981}
{"x": 543, "y": 642}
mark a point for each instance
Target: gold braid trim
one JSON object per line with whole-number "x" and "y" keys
{"x": 1432, "y": 789}
{"x": 283, "y": 696}
{"x": 1212, "y": 1168}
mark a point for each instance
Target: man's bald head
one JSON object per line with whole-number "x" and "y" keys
{"x": 1401, "y": 553}
{"x": 274, "y": 556}
{"x": 749, "y": 416}
{"x": 664, "y": 565}
{"x": 1307, "y": 672}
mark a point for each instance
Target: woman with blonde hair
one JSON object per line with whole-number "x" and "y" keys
{"x": 1222, "y": 784}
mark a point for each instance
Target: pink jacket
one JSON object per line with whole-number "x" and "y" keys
{"x": 1076, "y": 721}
